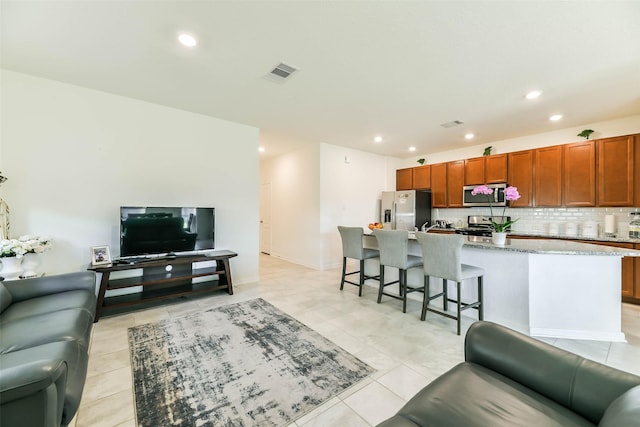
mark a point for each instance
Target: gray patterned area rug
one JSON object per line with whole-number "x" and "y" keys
{"x": 244, "y": 364}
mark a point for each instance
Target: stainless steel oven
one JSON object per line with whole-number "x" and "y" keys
{"x": 497, "y": 197}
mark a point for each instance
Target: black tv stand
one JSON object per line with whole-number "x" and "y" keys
{"x": 161, "y": 282}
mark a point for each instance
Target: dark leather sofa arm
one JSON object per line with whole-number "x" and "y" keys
{"x": 33, "y": 393}
{"x": 581, "y": 385}
{"x": 40, "y": 286}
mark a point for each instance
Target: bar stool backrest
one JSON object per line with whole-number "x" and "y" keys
{"x": 393, "y": 246}
{"x": 442, "y": 254}
{"x": 351, "y": 242}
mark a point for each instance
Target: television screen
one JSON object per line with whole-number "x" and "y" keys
{"x": 165, "y": 230}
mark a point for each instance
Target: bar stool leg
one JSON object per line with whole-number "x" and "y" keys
{"x": 445, "y": 294}
{"x": 381, "y": 283}
{"x": 425, "y": 301}
{"x": 403, "y": 287}
{"x": 361, "y": 277}
{"x": 344, "y": 270}
{"x": 481, "y": 305}
{"x": 459, "y": 304}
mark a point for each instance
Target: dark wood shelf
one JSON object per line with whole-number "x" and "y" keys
{"x": 156, "y": 281}
{"x": 161, "y": 294}
{"x": 153, "y": 279}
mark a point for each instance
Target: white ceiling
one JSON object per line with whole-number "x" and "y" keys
{"x": 397, "y": 68}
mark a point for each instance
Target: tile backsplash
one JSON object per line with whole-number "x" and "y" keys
{"x": 541, "y": 220}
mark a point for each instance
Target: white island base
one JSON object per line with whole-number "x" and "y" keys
{"x": 551, "y": 295}
{"x": 543, "y": 288}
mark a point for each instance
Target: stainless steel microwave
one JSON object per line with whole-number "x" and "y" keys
{"x": 497, "y": 198}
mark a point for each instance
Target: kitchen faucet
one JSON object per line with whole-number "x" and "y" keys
{"x": 424, "y": 227}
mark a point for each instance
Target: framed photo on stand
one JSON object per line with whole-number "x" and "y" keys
{"x": 100, "y": 255}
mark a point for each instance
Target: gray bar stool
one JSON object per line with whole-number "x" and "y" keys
{"x": 442, "y": 255}
{"x": 394, "y": 252}
{"x": 352, "y": 248}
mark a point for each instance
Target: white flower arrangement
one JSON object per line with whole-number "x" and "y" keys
{"x": 35, "y": 244}
{"x": 24, "y": 245}
{"x": 12, "y": 248}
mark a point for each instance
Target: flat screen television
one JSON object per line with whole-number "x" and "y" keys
{"x": 148, "y": 231}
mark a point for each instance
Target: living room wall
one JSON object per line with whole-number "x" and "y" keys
{"x": 73, "y": 156}
{"x": 351, "y": 183}
{"x": 295, "y": 204}
{"x": 314, "y": 190}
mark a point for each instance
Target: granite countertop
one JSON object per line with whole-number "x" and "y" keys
{"x": 616, "y": 239}
{"x": 548, "y": 246}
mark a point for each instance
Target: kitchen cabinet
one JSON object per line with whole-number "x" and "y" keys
{"x": 521, "y": 176}
{"x": 404, "y": 179}
{"x": 495, "y": 169}
{"x": 579, "y": 174}
{"x": 485, "y": 170}
{"x": 439, "y": 185}
{"x": 547, "y": 176}
{"x": 422, "y": 177}
{"x": 455, "y": 182}
{"x": 616, "y": 168}
{"x": 474, "y": 171}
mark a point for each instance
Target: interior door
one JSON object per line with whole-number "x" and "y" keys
{"x": 265, "y": 218}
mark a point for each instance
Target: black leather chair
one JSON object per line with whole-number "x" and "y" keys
{"x": 509, "y": 379}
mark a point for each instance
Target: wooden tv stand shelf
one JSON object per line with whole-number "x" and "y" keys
{"x": 160, "y": 282}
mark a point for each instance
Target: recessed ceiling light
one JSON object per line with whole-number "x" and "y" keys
{"x": 533, "y": 94}
{"x": 187, "y": 39}
{"x": 261, "y": 149}
{"x": 469, "y": 136}
{"x": 412, "y": 148}
{"x": 377, "y": 139}
{"x": 555, "y": 117}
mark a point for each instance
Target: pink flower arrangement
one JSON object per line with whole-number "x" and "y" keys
{"x": 510, "y": 193}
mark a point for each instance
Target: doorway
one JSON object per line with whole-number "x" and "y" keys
{"x": 265, "y": 218}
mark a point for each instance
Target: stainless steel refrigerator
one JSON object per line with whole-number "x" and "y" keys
{"x": 406, "y": 210}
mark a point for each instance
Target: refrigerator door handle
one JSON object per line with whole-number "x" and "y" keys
{"x": 394, "y": 217}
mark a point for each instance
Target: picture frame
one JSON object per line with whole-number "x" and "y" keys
{"x": 100, "y": 255}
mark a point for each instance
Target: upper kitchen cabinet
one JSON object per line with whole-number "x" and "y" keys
{"x": 485, "y": 170}
{"x": 439, "y": 185}
{"x": 580, "y": 174}
{"x": 404, "y": 179}
{"x": 616, "y": 158}
{"x": 422, "y": 177}
{"x": 521, "y": 176}
{"x": 495, "y": 169}
{"x": 474, "y": 171}
{"x": 547, "y": 176}
{"x": 455, "y": 182}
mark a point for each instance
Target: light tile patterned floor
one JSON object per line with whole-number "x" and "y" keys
{"x": 407, "y": 353}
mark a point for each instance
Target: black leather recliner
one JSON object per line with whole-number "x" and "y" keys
{"x": 510, "y": 379}
{"x": 45, "y": 328}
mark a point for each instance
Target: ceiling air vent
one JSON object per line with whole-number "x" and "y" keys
{"x": 451, "y": 124}
{"x": 282, "y": 70}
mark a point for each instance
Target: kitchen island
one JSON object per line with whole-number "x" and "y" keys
{"x": 545, "y": 288}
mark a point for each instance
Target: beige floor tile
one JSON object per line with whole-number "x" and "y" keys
{"x": 375, "y": 403}
{"x": 338, "y": 415}
{"x": 107, "y": 412}
{"x": 106, "y": 384}
{"x": 317, "y": 411}
{"x": 404, "y": 381}
{"x": 406, "y": 352}
{"x": 101, "y": 363}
